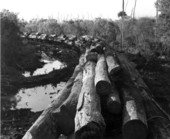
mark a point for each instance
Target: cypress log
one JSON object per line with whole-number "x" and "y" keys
{"x": 65, "y": 114}
{"x": 158, "y": 119}
{"x": 102, "y": 82}
{"x": 114, "y": 67}
{"x": 113, "y": 101}
{"x": 45, "y": 126}
{"x": 90, "y": 56}
{"x": 97, "y": 48}
{"x": 134, "y": 118}
{"x": 89, "y": 122}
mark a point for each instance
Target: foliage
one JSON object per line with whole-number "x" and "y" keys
{"x": 164, "y": 23}
{"x": 120, "y": 14}
{"x": 138, "y": 34}
{"x": 14, "y": 53}
{"x": 10, "y": 40}
{"x": 102, "y": 28}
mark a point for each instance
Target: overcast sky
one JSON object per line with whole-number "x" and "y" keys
{"x": 71, "y": 9}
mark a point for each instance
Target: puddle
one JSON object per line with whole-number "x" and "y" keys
{"x": 38, "y": 98}
{"x": 48, "y": 67}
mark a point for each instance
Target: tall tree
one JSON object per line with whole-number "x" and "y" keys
{"x": 10, "y": 40}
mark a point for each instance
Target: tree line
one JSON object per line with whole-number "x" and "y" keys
{"x": 138, "y": 33}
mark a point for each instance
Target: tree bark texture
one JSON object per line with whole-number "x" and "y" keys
{"x": 89, "y": 122}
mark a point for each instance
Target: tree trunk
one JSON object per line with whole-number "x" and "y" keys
{"x": 113, "y": 101}
{"x": 45, "y": 126}
{"x": 89, "y": 122}
{"x": 65, "y": 114}
{"x": 102, "y": 82}
{"x": 114, "y": 67}
{"x": 134, "y": 118}
{"x": 158, "y": 119}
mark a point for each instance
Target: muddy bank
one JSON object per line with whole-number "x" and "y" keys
{"x": 12, "y": 77}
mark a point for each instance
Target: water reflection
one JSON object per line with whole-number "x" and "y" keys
{"x": 48, "y": 67}
{"x": 38, "y": 98}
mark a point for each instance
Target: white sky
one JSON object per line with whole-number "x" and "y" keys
{"x": 71, "y": 9}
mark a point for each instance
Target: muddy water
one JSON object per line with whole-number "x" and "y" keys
{"x": 36, "y": 99}
{"x": 48, "y": 67}
{"x": 23, "y": 106}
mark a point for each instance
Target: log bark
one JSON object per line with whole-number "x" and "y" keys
{"x": 89, "y": 122}
{"x": 113, "y": 101}
{"x": 45, "y": 126}
{"x": 102, "y": 82}
{"x": 114, "y": 68}
{"x": 158, "y": 119}
{"x": 134, "y": 118}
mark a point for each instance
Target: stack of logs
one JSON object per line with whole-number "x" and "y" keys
{"x": 101, "y": 81}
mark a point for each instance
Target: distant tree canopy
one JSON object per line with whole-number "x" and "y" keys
{"x": 13, "y": 51}
{"x": 138, "y": 33}
{"x": 103, "y": 28}
{"x": 10, "y": 40}
{"x": 164, "y": 22}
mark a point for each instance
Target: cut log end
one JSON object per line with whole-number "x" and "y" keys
{"x": 91, "y": 131}
{"x": 115, "y": 71}
{"x": 115, "y": 74}
{"x": 103, "y": 88}
{"x": 113, "y": 106}
{"x": 91, "y": 57}
{"x": 135, "y": 129}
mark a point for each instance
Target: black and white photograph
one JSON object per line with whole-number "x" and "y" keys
{"x": 85, "y": 69}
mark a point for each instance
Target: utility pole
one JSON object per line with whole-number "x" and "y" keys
{"x": 123, "y": 11}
